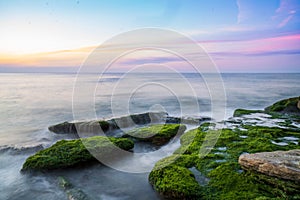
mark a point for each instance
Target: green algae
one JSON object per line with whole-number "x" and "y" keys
{"x": 227, "y": 179}
{"x": 175, "y": 182}
{"x": 157, "y": 134}
{"x": 68, "y": 153}
{"x": 285, "y": 105}
{"x": 241, "y": 112}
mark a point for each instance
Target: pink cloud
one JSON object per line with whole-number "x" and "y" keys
{"x": 285, "y": 21}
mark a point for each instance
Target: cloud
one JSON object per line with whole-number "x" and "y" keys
{"x": 264, "y": 53}
{"x": 285, "y": 21}
{"x": 149, "y": 60}
{"x": 285, "y": 12}
{"x": 243, "y": 12}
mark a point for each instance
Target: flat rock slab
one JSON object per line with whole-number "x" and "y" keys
{"x": 280, "y": 164}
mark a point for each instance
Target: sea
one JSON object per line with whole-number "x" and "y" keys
{"x": 31, "y": 102}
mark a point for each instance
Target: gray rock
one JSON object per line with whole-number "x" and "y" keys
{"x": 280, "y": 164}
{"x": 122, "y": 122}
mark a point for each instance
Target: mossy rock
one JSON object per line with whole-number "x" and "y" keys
{"x": 286, "y": 106}
{"x": 220, "y": 165}
{"x": 68, "y": 153}
{"x": 241, "y": 112}
{"x": 158, "y": 134}
{"x": 175, "y": 182}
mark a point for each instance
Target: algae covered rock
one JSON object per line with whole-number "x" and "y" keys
{"x": 227, "y": 180}
{"x": 241, "y": 112}
{"x": 157, "y": 134}
{"x": 175, "y": 182}
{"x": 280, "y": 164}
{"x": 68, "y": 153}
{"x": 95, "y": 126}
{"x": 289, "y": 106}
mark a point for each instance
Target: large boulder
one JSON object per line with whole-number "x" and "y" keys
{"x": 69, "y": 153}
{"x": 280, "y": 164}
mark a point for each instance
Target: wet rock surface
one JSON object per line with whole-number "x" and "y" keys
{"x": 280, "y": 164}
{"x": 115, "y": 124}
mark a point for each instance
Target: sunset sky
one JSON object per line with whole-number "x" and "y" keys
{"x": 239, "y": 35}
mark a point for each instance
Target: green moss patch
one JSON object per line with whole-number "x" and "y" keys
{"x": 175, "y": 182}
{"x": 157, "y": 134}
{"x": 220, "y": 165}
{"x": 68, "y": 153}
{"x": 241, "y": 112}
{"x": 286, "y": 105}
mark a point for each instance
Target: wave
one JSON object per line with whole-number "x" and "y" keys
{"x": 21, "y": 149}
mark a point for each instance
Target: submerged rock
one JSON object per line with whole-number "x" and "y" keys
{"x": 280, "y": 164}
{"x": 68, "y": 153}
{"x": 158, "y": 134}
{"x": 72, "y": 192}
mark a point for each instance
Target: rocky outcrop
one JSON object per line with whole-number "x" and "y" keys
{"x": 108, "y": 125}
{"x": 280, "y": 164}
{"x": 82, "y": 127}
{"x": 70, "y": 153}
{"x": 122, "y": 122}
{"x": 158, "y": 134}
{"x": 289, "y": 106}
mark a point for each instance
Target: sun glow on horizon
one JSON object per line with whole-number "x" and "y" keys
{"x": 238, "y": 34}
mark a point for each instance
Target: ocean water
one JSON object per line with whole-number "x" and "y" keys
{"x": 29, "y": 103}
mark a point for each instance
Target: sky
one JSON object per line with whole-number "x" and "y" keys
{"x": 238, "y": 35}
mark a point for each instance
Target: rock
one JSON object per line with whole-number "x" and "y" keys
{"x": 111, "y": 125}
{"x": 289, "y": 106}
{"x": 72, "y": 192}
{"x": 82, "y": 127}
{"x": 280, "y": 164}
{"x": 175, "y": 182}
{"x": 158, "y": 134}
{"x": 69, "y": 153}
{"x": 241, "y": 112}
